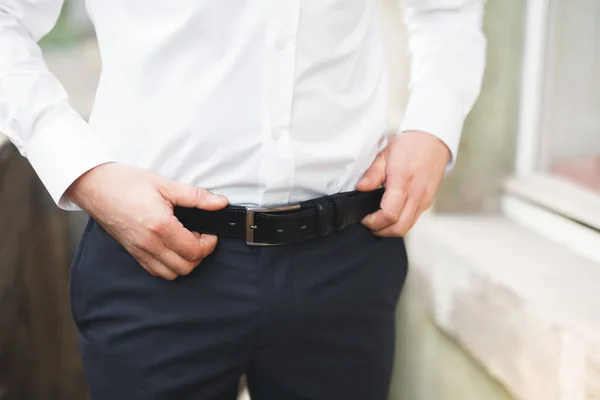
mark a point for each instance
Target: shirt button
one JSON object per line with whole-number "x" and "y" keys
{"x": 281, "y": 42}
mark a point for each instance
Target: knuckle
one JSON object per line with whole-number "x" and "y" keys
{"x": 157, "y": 225}
{"x": 395, "y": 230}
{"x": 144, "y": 242}
{"x": 188, "y": 255}
{"x": 198, "y": 192}
{"x": 201, "y": 193}
{"x": 406, "y": 174}
{"x": 194, "y": 258}
{"x": 401, "y": 230}
{"x": 390, "y": 216}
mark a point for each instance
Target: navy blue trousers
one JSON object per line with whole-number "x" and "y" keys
{"x": 307, "y": 321}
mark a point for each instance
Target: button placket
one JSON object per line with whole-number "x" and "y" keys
{"x": 278, "y": 162}
{"x": 281, "y": 42}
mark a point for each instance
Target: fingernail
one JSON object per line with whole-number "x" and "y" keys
{"x": 216, "y": 197}
{"x": 367, "y": 219}
{"x": 208, "y": 240}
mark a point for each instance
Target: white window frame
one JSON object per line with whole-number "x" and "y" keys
{"x": 559, "y": 210}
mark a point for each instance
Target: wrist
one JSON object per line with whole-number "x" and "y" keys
{"x": 80, "y": 191}
{"x": 435, "y": 142}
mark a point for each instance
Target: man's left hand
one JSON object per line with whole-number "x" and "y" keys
{"x": 412, "y": 167}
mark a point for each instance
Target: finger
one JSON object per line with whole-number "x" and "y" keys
{"x": 160, "y": 269}
{"x": 148, "y": 270}
{"x": 405, "y": 222}
{"x": 176, "y": 263}
{"x": 147, "y": 267}
{"x": 141, "y": 256}
{"x": 184, "y": 195}
{"x": 375, "y": 175}
{"x": 392, "y": 203}
{"x": 183, "y": 242}
{"x": 208, "y": 243}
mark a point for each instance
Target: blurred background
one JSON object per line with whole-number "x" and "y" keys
{"x": 503, "y": 297}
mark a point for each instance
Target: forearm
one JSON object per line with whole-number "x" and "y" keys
{"x": 34, "y": 109}
{"x": 447, "y": 48}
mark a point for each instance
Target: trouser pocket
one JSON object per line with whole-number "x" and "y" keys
{"x": 74, "y": 288}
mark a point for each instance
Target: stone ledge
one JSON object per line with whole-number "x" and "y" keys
{"x": 526, "y": 308}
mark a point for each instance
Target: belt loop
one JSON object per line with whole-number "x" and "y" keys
{"x": 324, "y": 218}
{"x": 340, "y": 214}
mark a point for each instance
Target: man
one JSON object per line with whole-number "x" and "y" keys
{"x": 205, "y": 108}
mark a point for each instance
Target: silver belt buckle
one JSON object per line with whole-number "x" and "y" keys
{"x": 251, "y": 226}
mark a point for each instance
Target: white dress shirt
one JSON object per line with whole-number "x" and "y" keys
{"x": 264, "y": 101}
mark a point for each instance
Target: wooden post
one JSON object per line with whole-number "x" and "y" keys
{"x": 39, "y": 352}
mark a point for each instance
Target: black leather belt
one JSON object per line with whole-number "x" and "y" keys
{"x": 271, "y": 226}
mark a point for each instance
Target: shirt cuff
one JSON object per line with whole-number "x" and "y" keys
{"x": 436, "y": 113}
{"x": 62, "y": 151}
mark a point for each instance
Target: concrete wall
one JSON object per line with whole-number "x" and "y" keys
{"x": 486, "y": 155}
{"x": 394, "y": 36}
{"x": 524, "y": 306}
{"x": 429, "y": 365}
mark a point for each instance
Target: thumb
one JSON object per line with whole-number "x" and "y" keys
{"x": 375, "y": 175}
{"x": 180, "y": 194}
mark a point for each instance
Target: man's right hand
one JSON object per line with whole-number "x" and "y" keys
{"x": 136, "y": 208}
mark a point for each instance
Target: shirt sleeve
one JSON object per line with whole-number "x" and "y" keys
{"x": 447, "y": 48}
{"x": 34, "y": 109}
